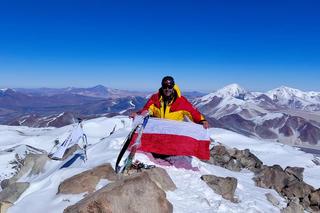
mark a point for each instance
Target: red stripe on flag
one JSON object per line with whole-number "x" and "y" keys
{"x": 168, "y": 144}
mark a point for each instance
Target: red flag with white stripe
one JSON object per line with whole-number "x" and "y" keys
{"x": 170, "y": 137}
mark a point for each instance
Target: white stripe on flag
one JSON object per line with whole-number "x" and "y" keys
{"x": 164, "y": 126}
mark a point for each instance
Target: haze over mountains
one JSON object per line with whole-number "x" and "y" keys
{"x": 283, "y": 114}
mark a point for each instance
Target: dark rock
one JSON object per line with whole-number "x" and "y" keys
{"x": 234, "y": 165}
{"x": 272, "y": 177}
{"x": 248, "y": 160}
{"x": 293, "y": 207}
{"x": 286, "y": 131}
{"x": 309, "y": 133}
{"x": 299, "y": 190}
{"x": 315, "y": 198}
{"x": 289, "y": 184}
{"x": 235, "y": 122}
{"x": 296, "y": 172}
{"x": 12, "y": 192}
{"x": 222, "y": 186}
{"x": 234, "y": 159}
{"x": 5, "y": 183}
{"x": 265, "y": 133}
{"x": 219, "y": 156}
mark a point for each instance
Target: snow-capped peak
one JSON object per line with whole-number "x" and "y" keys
{"x": 233, "y": 90}
{"x": 287, "y": 93}
{"x": 4, "y": 89}
{"x": 229, "y": 91}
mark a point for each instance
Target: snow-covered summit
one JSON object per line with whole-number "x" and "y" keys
{"x": 233, "y": 90}
{"x": 285, "y": 94}
{"x": 230, "y": 91}
{"x": 6, "y": 89}
{"x": 281, "y": 97}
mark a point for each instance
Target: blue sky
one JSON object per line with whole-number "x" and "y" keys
{"x": 204, "y": 45}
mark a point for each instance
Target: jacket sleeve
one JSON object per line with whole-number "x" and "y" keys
{"x": 192, "y": 112}
{"x": 149, "y": 103}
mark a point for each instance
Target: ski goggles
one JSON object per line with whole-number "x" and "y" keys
{"x": 167, "y": 86}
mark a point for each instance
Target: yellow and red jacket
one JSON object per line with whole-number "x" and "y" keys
{"x": 177, "y": 109}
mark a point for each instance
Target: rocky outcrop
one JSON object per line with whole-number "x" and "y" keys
{"x": 138, "y": 193}
{"x": 32, "y": 164}
{"x": 289, "y": 183}
{"x": 309, "y": 133}
{"x": 234, "y": 159}
{"x": 12, "y": 192}
{"x": 293, "y": 207}
{"x": 295, "y": 172}
{"x": 222, "y": 186}
{"x": 87, "y": 180}
{"x": 272, "y": 177}
{"x": 315, "y": 199}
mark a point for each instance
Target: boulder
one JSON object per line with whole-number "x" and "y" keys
{"x": 135, "y": 193}
{"x": 249, "y": 160}
{"x": 297, "y": 189}
{"x": 87, "y": 180}
{"x": 161, "y": 178}
{"x": 289, "y": 184}
{"x": 157, "y": 175}
{"x": 234, "y": 159}
{"x": 12, "y": 192}
{"x": 219, "y": 156}
{"x": 272, "y": 177}
{"x": 222, "y": 186}
{"x": 315, "y": 200}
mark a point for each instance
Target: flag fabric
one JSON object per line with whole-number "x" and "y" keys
{"x": 170, "y": 137}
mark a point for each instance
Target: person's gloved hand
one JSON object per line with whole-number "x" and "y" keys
{"x": 133, "y": 115}
{"x": 205, "y": 124}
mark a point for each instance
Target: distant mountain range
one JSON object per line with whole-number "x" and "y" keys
{"x": 98, "y": 91}
{"x": 58, "y": 107}
{"x": 41, "y": 107}
{"x": 283, "y": 114}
